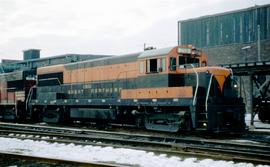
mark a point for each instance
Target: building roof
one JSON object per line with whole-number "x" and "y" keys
{"x": 226, "y": 13}
{"x": 47, "y": 61}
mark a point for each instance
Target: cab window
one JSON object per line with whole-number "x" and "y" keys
{"x": 204, "y": 64}
{"x": 141, "y": 67}
{"x": 183, "y": 60}
{"x": 155, "y": 65}
{"x": 172, "y": 63}
{"x": 163, "y": 64}
{"x": 151, "y": 65}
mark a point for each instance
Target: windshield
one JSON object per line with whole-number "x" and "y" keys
{"x": 184, "y": 60}
{"x": 230, "y": 88}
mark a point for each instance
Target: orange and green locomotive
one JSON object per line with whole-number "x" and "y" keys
{"x": 168, "y": 89}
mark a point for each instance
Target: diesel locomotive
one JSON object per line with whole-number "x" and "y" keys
{"x": 167, "y": 89}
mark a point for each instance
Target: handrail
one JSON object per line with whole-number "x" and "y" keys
{"x": 208, "y": 90}
{"x": 231, "y": 72}
{"x": 46, "y": 79}
{"x": 29, "y": 96}
{"x": 197, "y": 85}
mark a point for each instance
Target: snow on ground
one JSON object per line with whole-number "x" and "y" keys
{"x": 257, "y": 123}
{"x": 107, "y": 154}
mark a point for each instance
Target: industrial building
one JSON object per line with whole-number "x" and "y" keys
{"x": 231, "y": 37}
{"x": 32, "y": 60}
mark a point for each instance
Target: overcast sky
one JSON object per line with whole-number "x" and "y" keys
{"x": 99, "y": 26}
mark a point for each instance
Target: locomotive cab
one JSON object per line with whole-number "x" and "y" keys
{"x": 215, "y": 102}
{"x": 202, "y": 97}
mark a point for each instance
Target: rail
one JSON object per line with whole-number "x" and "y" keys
{"x": 229, "y": 150}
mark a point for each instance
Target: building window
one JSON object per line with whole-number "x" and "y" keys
{"x": 207, "y": 34}
{"x": 221, "y": 33}
{"x": 241, "y": 29}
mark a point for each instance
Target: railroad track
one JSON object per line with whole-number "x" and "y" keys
{"x": 216, "y": 149}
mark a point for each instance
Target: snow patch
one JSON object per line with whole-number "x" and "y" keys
{"x": 91, "y": 153}
{"x": 257, "y": 122}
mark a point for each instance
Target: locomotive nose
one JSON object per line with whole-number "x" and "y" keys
{"x": 226, "y": 117}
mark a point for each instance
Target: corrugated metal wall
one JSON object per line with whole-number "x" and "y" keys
{"x": 227, "y": 28}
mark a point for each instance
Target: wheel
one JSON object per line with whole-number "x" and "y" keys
{"x": 51, "y": 115}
